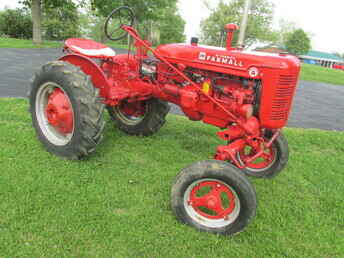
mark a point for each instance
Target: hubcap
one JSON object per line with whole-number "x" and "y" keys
{"x": 131, "y": 113}
{"x": 212, "y": 203}
{"x": 59, "y": 112}
{"x": 265, "y": 161}
{"x": 54, "y": 113}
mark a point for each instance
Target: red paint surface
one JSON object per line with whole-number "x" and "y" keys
{"x": 219, "y": 201}
{"x": 224, "y": 102}
{"x": 59, "y": 112}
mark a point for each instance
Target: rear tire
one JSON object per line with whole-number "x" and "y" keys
{"x": 209, "y": 212}
{"x": 152, "y": 119}
{"x": 86, "y": 110}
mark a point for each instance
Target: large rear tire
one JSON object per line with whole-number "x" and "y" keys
{"x": 142, "y": 118}
{"x": 214, "y": 196}
{"x": 66, "y": 111}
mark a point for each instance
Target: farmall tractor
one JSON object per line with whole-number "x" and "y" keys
{"x": 248, "y": 95}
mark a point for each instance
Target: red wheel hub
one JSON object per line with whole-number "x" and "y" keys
{"x": 136, "y": 109}
{"x": 59, "y": 112}
{"x": 218, "y": 201}
{"x": 262, "y": 162}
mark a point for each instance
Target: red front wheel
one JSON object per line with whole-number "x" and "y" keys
{"x": 270, "y": 163}
{"x": 213, "y": 196}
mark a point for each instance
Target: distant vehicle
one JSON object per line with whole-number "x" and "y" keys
{"x": 338, "y": 66}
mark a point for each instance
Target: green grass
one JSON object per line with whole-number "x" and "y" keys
{"x": 116, "y": 204}
{"x": 25, "y": 43}
{"x": 321, "y": 74}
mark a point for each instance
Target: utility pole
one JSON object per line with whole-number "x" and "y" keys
{"x": 243, "y": 24}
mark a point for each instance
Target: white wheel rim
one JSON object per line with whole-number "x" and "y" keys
{"x": 127, "y": 119}
{"x": 52, "y": 135}
{"x": 211, "y": 223}
{"x": 256, "y": 170}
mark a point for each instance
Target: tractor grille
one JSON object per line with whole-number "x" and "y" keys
{"x": 283, "y": 96}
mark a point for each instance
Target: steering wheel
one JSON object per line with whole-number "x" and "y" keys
{"x": 120, "y": 16}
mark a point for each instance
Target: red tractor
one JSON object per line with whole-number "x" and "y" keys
{"x": 248, "y": 95}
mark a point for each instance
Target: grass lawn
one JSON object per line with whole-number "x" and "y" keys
{"x": 26, "y": 43}
{"x": 321, "y": 74}
{"x": 23, "y": 43}
{"x": 116, "y": 204}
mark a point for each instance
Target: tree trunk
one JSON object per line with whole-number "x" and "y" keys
{"x": 36, "y": 20}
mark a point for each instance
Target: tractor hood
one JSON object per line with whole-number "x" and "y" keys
{"x": 220, "y": 59}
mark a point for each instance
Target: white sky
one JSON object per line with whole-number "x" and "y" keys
{"x": 323, "y": 19}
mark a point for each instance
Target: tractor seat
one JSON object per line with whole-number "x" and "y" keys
{"x": 89, "y": 48}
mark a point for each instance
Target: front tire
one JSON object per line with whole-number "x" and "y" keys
{"x": 213, "y": 196}
{"x": 278, "y": 155}
{"x": 66, "y": 112}
{"x": 141, "y": 118}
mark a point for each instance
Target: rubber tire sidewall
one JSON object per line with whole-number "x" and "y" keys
{"x": 282, "y": 157}
{"x": 56, "y": 75}
{"x": 213, "y": 169}
{"x": 153, "y": 120}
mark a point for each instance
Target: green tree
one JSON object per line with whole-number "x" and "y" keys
{"x": 286, "y": 28}
{"x": 298, "y": 42}
{"x": 92, "y": 24}
{"x": 61, "y": 22}
{"x": 36, "y": 11}
{"x": 259, "y": 25}
{"x": 158, "y": 20}
{"x": 171, "y": 26}
{"x": 143, "y": 9}
{"x": 16, "y": 23}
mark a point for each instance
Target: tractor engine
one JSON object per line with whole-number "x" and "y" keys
{"x": 248, "y": 94}
{"x": 246, "y": 83}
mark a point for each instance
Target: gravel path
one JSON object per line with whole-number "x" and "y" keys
{"x": 316, "y": 105}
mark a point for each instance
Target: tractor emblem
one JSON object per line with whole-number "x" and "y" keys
{"x": 221, "y": 59}
{"x": 253, "y": 72}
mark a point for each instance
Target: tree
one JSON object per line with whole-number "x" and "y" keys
{"x": 171, "y": 26}
{"x": 36, "y": 21}
{"x": 159, "y": 20}
{"x": 259, "y": 25}
{"x": 36, "y": 11}
{"x": 298, "y": 42}
{"x": 286, "y": 28}
{"x": 16, "y": 23}
{"x": 61, "y": 22}
{"x": 92, "y": 24}
{"x": 143, "y": 9}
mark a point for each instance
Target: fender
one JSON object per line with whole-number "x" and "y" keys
{"x": 89, "y": 67}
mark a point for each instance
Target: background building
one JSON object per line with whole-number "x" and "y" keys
{"x": 312, "y": 57}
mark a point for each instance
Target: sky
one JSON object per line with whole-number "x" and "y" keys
{"x": 322, "y": 19}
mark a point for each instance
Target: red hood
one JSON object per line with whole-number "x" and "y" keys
{"x": 221, "y": 57}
